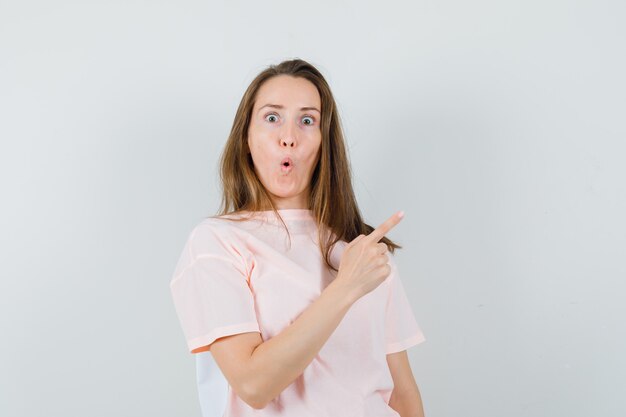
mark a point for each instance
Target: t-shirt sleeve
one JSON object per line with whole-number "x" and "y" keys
{"x": 401, "y": 328}
{"x": 210, "y": 288}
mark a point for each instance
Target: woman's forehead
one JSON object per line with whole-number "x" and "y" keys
{"x": 290, "y": 92}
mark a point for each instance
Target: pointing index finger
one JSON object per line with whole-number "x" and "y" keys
{"x": 386, "y": 226}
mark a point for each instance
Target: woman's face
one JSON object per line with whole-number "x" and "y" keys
{"x": 284, "y": 125}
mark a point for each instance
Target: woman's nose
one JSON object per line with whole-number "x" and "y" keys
{"x": 288, "y": 137}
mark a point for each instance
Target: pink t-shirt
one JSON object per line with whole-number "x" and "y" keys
{"x": 238, "y": 277}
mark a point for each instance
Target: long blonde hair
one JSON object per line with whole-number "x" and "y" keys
{"x": 332, "y": 200}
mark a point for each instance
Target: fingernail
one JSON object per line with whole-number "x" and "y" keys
{"x": 401, "y": 214}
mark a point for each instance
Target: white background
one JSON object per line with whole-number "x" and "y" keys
{"x": 498, "y": 126}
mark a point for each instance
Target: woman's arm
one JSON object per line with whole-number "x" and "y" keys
{"x": 277, "y": 362}
{"x": 405, "y": 397}
{"x": 407, "y": 404}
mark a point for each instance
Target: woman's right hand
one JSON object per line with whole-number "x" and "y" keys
{"x": 363, "y": 265}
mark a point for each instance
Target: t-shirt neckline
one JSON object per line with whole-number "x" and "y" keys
{"x": 291, "y": 213}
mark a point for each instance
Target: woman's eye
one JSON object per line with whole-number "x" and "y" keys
{"x": 272, "y": 117}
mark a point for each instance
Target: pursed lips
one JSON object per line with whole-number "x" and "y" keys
{"x": 286, "y": 163}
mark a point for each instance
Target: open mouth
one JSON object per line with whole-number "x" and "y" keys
{"x": 286, "y": 163}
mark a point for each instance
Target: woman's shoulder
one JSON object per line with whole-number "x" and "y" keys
{"x": 228, "y": 219}
{"x": 217, "y": 222}
{"x": 216, "y": 230}
{"x": 225, "y": 223}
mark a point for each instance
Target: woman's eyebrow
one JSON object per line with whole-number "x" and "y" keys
{"x": 278, "y": 106}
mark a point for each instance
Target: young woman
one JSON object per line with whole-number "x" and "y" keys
{"x": 297, "y": 298}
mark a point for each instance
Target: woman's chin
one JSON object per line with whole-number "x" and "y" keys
{"x": 285, "y": 191}
{"x": 285, "y": 186}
